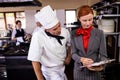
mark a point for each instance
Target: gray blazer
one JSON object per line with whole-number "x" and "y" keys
{"x": 96, "y": 51}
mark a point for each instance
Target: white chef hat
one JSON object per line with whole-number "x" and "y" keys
{"x": 36, "y": 20}
{"x": 47, "y": 17}
{"x": 36, "y": 17}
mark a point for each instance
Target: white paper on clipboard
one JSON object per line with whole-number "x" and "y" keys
{"x": 99, "y": 63}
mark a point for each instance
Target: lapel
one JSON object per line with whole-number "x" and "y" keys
{"x": 90, "y": 44}
{"x": 80, "y": 44}
{"x": 91, "y": 40}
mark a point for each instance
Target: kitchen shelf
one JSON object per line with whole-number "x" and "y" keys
{"x": 106, "y": 6}
{"x": 111, "y": 33}
{"x": 111, "y": 15}
{"x": 110, "y": 11}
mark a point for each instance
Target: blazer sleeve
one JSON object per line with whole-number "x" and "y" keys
{"x": 74, "y": 50}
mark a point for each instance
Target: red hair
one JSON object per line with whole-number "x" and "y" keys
{"x": 84, "y": 10}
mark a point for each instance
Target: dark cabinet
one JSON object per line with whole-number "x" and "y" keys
{"x": 107, "y": 10}
{"x": 111, "y": 11}
{"x": 19, "y": 68}
{"x": 3, "y": 73}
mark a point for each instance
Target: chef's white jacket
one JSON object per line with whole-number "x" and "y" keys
{"x": 50, "y": 53}
{"x": 47, "y": 50}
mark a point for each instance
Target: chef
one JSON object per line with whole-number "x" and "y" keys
{"x": 50, "y": 47}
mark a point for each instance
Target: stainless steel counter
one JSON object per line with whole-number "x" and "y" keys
{"x": 16, "y": 68}
{"x": 3, "y": 72}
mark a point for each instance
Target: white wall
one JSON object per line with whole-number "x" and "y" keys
{"x": 30, "y": 20}
{"x": 60, "y": 7}
{"x": 61, "y": 16}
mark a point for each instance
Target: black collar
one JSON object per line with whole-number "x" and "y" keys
{"x": 55, "y": 36}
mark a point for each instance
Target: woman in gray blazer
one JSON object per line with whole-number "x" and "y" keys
{"x": 88, "y": 46}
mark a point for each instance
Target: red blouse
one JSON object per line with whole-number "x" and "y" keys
{"x": 85, "y": 35}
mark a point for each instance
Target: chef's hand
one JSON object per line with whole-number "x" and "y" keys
{"x": 67, "y": 61}
{"x": 68, "y": 56}
{"x": 86, "y": 61}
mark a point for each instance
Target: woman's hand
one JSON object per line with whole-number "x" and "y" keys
{"x": 96, "y": 68}
{"x": 86, "y": 61}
